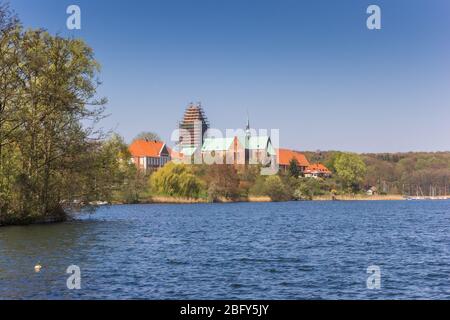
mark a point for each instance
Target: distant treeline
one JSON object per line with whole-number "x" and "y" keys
{"x": 412, "y": 173}
{"x": 394, "y": 174}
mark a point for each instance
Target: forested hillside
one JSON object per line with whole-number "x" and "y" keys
{"x": 410, "y": 173}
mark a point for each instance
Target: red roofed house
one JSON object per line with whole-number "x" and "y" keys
{"x": 317, "y": 170}
{"x": 149, "y": 155}
{"x": 285, "y": 156}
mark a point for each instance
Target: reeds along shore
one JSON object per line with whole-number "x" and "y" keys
{"x": 182, "y": 200}
{"x": 263, "y": 199}
{"x": 359, "y": 197}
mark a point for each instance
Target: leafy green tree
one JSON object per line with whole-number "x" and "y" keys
{"x": 116, "y": 178}
{"x": 9, "y": 109}
{"x": 275, "y": 189}
{"x": 48, "y": 109}
{"x": 222, "y": 181}
{"x": 307, "y": 188}
{"x": 248, "y": 176}
{"x": 175, "y": 180}
{"x": 61, "y": 76}
{"x": 294, "y": 170}
{"x": 330, "y": 158}
{"x": 351, "y": 170}
{"x": 257, "y": 187}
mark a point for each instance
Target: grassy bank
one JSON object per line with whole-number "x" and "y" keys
{"x": 183, "y": 200}
{"x": 263, "y": 199}
{"x": 359, "y": 197}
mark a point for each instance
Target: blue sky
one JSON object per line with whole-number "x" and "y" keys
{"x": 309, "y": 68}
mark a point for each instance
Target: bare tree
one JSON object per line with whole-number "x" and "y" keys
{"x": 148, "y": 136}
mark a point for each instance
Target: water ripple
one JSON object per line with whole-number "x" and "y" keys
{"x": 296, "y": 250}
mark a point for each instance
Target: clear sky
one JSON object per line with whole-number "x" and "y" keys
{"x": 309, "y": 68}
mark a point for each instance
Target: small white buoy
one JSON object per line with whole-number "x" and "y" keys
{"x": 37, "y": 268}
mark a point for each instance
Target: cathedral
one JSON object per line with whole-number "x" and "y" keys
{"x": 246, "y": 147}
{"x": 197, "y": 145}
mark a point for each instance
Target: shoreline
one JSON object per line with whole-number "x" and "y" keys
{"x": 181, "y": 200}
{"x": 264, "y": 199}
{"x": 358, "y": 197}
{"x": 251, "y": 199}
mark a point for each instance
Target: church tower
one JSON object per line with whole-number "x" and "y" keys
{"x": 193, "y": 127}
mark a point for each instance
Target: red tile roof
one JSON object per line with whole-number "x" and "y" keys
{"x": 285, "y": 156}
{"x": 318, "y": 168}
{"x": 143, "y": 148}
{"x": 175, "y": 154}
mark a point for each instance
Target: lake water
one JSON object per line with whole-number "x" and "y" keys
{"x": 294, "y": 250}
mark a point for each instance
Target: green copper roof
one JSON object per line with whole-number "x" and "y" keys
{"x": 217, "y": 144}
{"x": 225, "y": 144}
